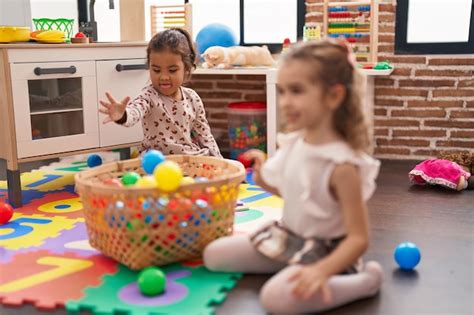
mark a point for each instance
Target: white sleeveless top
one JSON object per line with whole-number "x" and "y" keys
{"x": 301, "y": 172}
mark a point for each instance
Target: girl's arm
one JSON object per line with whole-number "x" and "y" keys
{"x": 201, "y": 128}
{"x": 136, "y": 109}
{"x": 124, "y": 112}
{"x": 258, "y": 157}
{"x": 345, "y": 184}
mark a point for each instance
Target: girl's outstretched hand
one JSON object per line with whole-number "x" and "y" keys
{"x": 309, "y": 280}
{"x": 258, "y": 157}
{"x": 113, "y": 109}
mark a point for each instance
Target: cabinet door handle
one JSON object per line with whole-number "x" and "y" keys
{"x": 40, "y": 71}
{"x": 119, "y": 67}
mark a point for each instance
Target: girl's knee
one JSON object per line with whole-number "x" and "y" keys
{"x": 275, "y": 298}
{"x": 211, "y": 255}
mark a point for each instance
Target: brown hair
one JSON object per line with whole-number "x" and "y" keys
{"x": 332, "y": 65}
{"x": 177, "y": 41}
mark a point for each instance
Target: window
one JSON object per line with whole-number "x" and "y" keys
{"x": 211, "y": 11}
{"x": 434, "y": 27}
{"x": 255, "y": 22}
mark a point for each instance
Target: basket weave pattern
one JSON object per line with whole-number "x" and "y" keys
{"x": 64, "y": 25}
{"x": 141, "y": 227}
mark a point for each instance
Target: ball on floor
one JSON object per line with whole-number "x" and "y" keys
{"x": 94, "y": 160}
{"x": 6, "y": 212}
{"x": 151, "y": 281}
{"x": 407, "y": 255}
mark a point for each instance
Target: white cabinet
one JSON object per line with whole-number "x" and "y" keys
{"x": 128, "y": 77}
{"x": 55, "y": 107}
{"x": 49, "y": 97}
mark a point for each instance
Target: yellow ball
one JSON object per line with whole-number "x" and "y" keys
{"x": 187, "y": 180}
{"x": 168, "y": 175}
{"x": 146, "y": 182}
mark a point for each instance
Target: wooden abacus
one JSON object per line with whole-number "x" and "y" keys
{"x": 357, "y": 21}
{"x": 164, "y": 17}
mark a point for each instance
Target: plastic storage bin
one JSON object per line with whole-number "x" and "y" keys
{"x": 247, "y": 127}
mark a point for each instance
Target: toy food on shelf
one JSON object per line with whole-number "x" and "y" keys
{"x": 10, "y": 34}
{"x": 80, "y": 38}
{"x": 49, "y": 37}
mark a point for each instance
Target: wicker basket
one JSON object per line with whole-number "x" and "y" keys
{"x": 142, "y": 227}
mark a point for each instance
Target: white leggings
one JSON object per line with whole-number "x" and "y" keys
{"x": 237, "y": 254}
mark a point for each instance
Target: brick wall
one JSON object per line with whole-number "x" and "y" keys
{"x": 425, "y": 106}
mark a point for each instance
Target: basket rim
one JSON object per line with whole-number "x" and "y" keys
{"x": 82, "y": 179}
{"x": 49, "y": 19}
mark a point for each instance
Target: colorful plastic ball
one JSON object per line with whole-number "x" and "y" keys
{"x": 168, "y": 176}
{"x": 113, "y": 182}
{"x": 187, "y": 180}
{"x": 146, "y": 182}
{"x": 130, "y": 178}
{"x": 407, "y": 255}
{"x": 151, "y": 281}
{"x": 94, "y": 160}
{"x": 151, "y": 159}
{"x": 246, "y": 162}
{"x": 6, "y": 212}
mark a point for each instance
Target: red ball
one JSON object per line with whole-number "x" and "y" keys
{"x": 246, "y": 162}
{"x": 80, "y": 35}
{"x": 113, "y": 182}
{"x": 6, "y": 212}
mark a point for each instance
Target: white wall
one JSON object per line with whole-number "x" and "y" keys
{"x": 15, "y": 12}
{"x": 211, "y": 11}
{"x": 108, "y": 21}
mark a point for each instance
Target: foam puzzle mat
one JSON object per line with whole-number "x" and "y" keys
{"x": 46, "y": 245}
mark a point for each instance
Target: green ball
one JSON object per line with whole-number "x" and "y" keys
{"x": 151, "y": 281}
{"x": 130, "y": 178}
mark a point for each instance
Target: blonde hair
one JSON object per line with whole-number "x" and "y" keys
{"x": 332, "y": 64}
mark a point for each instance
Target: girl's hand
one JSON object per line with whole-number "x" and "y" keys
{"x": 258, "y": 157}
{"x": 308, "y": 280}
{"x": 113, "y": 109}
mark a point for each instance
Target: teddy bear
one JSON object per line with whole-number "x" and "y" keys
{"x": 463, "y": 159}
{"x": 227, "y": 57}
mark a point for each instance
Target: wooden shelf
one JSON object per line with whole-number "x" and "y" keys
{"x": 376, "y": 73}
{"x": 236, "y": 70}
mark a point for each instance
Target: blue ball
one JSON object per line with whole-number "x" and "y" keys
{"x": 215, "y": 34}
{"x": 407, "y": 255}
{"x": 151, "y": 159}
{"x": 94, "y": 160}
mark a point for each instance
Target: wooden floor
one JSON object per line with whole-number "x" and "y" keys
{"x": 440, "y": 222}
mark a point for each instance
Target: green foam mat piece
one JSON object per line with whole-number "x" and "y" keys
{"x": 189, "y": 290}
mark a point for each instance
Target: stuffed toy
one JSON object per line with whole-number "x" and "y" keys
{"x": 227, "y": 57}
{"x": 464, "y": 159}
{"x": 440, "y": 172}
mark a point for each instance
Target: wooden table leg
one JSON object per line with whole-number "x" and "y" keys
{"x": 14, "y": 188}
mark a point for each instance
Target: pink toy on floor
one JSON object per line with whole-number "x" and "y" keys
{"x": 440, "y": 172}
